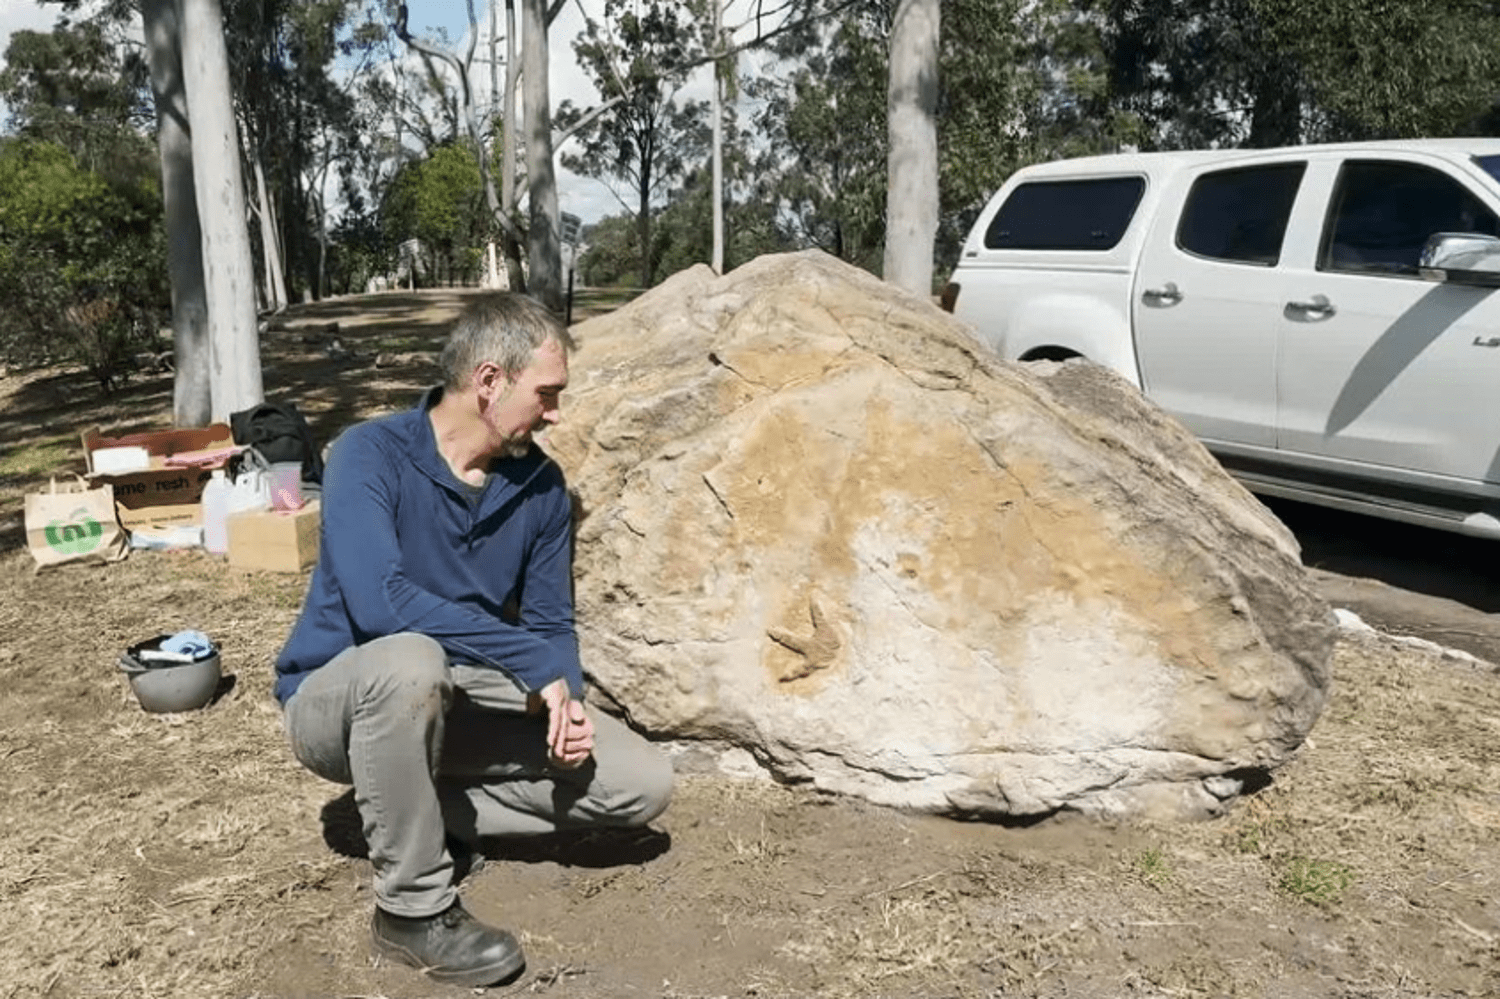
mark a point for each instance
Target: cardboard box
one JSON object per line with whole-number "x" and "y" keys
{"x": 273, "y": 540}
{"x": 167, "y": 490}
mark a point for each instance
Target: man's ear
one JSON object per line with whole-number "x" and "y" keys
{"x": 489, "y": 378}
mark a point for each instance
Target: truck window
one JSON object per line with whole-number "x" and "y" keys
{"x": 1490, "y": 165}
{"x": 1383, "y": 212}
{"x": 1240, "y": 215}
{"x": 1066, "y": 214}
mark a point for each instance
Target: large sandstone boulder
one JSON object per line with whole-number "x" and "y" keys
{"x": 822, "y": 523}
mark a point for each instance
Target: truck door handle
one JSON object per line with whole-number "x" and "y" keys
{"x": 1318, "y": 307}
{"x": 1163, "y": 296}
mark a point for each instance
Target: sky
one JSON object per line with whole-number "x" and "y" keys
{"x": 23, "y": 15}
{"x": 587, "y": 198}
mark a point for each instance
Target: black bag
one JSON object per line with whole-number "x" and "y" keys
{"x": 280, "y": 433}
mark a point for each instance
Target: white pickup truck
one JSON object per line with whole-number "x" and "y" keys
{"x": 1325, "y": 318}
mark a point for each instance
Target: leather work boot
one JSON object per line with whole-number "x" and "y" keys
{"x": 451, "y": 947}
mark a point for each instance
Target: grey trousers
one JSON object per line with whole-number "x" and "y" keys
{"x": 433, "y": 748}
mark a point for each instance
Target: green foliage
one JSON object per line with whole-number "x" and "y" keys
{"x": 683, "y": 235}
{"x": 359, "y": 251}
{"x": 293, "y": 63}
{"x": 1374, "y": 69}
{"x": 1019, "y": 82}
{"x": 825, "y": 163}
{"x": 78, "y": 87}
{"x": 611, "y": 259}
{"x": 639, "y": 55}
{"x": 439, "y": 200}
{"x": 1153, "y": 867}
{"x": 1196, "y": 73}
{"x": 1319, "y": 882}
{"x": 82, "y": 261}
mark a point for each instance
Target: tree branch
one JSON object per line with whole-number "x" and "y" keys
{"x": 564, "y": 134}
{"x": 492, "y": 198}
{"x": 761, "y": 38}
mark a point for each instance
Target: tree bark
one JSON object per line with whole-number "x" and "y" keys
{"x": 1276, "y": 116}
{"x": 911, "y": 118}
{"x": 234, "y": 366}
{"x": 491, "y": 272}
{"x": 270, "y": 246}
{"x": 544, "y": 240}
{"x": 718, "y": 158}
{"x": 509, "y": 152}
{"x": 643, "y": 222}
{"x": 191, "y": 391}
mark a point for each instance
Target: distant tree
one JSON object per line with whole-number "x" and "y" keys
{"x": 78, "y": 87}
{"x": 1386, "y": 70}
{"x": 300, "y": 68}
{"x": 611, "y": 258}
{"x": 1198, "y": 73}
{"x": 1018, "y": 81}
{"x": 359, "y": 250}
{"x": 639, "y": 55}
{"x": 468, "y": 122}
{"x": 683, "y": 234}
{"x": 760, "y": 24}
{"x": 438, "y": 201}
{"x": 81, "y": 262}
{"x": 823, "y": 115}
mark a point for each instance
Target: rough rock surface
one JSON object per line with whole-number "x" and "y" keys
{"x": 820, "y": 522}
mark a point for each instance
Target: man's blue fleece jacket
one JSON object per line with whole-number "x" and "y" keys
{"x": 403, "y": 549}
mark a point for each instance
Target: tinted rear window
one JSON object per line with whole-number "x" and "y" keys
{"x": 1240, "y": 215}
{"x": 1490, "y": 165}
{"x": 1066, "y": 215}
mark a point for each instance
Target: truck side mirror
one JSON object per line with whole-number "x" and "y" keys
{"x": 1468, "y": 258}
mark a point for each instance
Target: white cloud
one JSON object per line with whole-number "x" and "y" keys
{"x": 24, "y": 15}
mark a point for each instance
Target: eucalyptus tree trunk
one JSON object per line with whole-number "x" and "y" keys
{"x": 491, "y": 271}
{"x": 911, "y": 118}
{"x": 234, "y": 365}
{"x": 191, "y": 392}
{"x": 544, "y": 241}
{"x": 718, "y": 158}
{"x": 270, "y": 244}
{"x": 508, "y": 152}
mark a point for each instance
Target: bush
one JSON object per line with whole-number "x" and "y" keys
{"x": 82, "y": 262}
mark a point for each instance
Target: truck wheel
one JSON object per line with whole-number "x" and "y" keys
{"x": 1050, "y": 354}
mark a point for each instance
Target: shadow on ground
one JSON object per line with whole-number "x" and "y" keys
{"x": 588, "y": 848}
{"x": 1435, "y": 563}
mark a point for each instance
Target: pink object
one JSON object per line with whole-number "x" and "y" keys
{"x": 200, "y": 459}
{"x": 286, "y": 485}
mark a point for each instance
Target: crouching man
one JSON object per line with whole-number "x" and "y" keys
{"x": 403, "y": 676}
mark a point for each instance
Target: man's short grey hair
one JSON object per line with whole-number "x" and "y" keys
{"x": 501, "y": 327}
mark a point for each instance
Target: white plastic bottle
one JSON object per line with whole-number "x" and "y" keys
{"x": 216, "y": 513}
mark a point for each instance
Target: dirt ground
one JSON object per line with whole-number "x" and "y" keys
{"x": 190, "y": 856}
